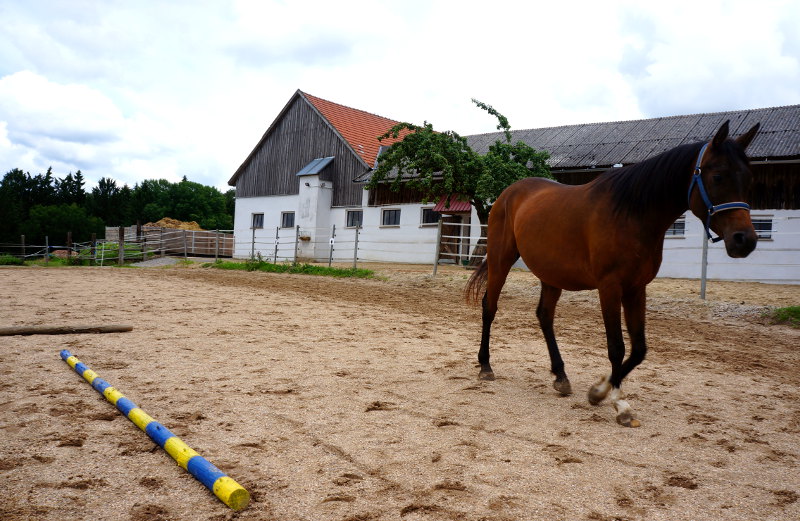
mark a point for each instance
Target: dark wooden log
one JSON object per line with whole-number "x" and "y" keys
{"x": 63, "y": 330}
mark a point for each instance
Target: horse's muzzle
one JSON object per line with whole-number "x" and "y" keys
{"x": 740, "y": 244}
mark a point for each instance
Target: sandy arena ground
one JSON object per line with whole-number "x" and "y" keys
{"x": 358, "y": 400}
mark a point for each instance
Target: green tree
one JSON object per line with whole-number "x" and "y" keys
{"x": 443, "y": 164}
{"x": 61, "y": 204}
{"x": 151, "y": 200}
{"x": 204, "y": 204}
{"x": 70, "y": 189}
{"x": 42, "y": 188}
{"x": 110, "y": 202}
{"x": 101, "y": 200}
{"x": 56, "y": 220}
{"x": 19, "y": 192}
{"x": 13, "y": 210}
{"x": 230, "y": 204}
{"x": 154, "y": 199}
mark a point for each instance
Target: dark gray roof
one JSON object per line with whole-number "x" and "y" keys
{"x": 601, "y": 145}
{"x": 315, "y": 166}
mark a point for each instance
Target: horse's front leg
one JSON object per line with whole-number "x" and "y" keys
{"x": 634, "y": 304}
{"x": 545, "y": 312}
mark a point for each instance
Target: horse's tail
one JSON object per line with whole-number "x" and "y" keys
{"x": 476, "y": 283}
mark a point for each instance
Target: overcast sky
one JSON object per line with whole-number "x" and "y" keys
{"x": 145, "y": 90}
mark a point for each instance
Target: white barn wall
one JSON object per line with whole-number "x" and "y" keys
{"x": 775, "y": 260}
{"x": 409, "y": 242}
{"x": 271, "y": 207}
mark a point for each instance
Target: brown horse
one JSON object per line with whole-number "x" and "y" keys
{"x": 608, "y": 235}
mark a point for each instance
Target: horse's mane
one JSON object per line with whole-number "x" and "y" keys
{"x": 637, "y": 188}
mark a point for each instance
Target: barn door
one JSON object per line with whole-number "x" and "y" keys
{"x": 455, "y": 239}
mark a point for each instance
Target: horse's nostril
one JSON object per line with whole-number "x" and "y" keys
{"x": 739, "y": 238}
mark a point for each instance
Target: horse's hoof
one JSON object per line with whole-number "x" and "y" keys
{"x": 486, "y": 376}
{"x": 598, "y": 392}
{"x": 595, "y": 396}
{"x": 563, "y": 387}
{"x": 626, "y": 419}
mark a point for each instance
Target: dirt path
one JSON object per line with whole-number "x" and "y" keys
{"x": 358, "y": 400}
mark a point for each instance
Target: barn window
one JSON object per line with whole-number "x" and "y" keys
{"x": 390, "y": 217}
{"x": 354, "y": 218}
{"x": 287, "y": 220}
{"x": 763, "y": 226}
{"x": 678, "y": 228}
{"x": 257, "y": 221}
{"x": 429, "y": 216}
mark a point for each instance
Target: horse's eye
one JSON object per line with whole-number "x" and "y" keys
{"x": 717, "y": 178}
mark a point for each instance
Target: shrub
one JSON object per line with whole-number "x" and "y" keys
{"x": 10, "y": 260}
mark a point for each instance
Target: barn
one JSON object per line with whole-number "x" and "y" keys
{"x": 301, "y": 174}
{"x": 303, "y": 184}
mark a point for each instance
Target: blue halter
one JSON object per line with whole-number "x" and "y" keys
{"x": 697, "y": 180}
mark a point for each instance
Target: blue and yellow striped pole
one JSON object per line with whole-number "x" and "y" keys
{"x": 226, "y": 489}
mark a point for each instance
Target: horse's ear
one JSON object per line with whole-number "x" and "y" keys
{"x": 721, "y": 136}
{"x": 745, "y": 139}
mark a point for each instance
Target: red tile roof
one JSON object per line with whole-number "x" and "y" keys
{"x": 455, "y": 206}
{"x": 359, "y": 128}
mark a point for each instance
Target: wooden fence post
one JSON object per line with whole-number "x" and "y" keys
{"x": 46, "y": 249}
{"x": 185, "y": 252}
{"x": 22, "y": 242}
{"x": 121, "y": 246}
{"x": 139, "y": 239}
{"x": 216, "y": 245}
{"x": 94, "y": 249}
{"x": 69, "y": 247}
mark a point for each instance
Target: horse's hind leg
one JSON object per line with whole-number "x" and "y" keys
{"x": 498, "y": 272}
{"x": 545, "y": 312}
{"x": 483, "y": 353}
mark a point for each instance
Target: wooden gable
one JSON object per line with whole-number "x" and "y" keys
{"x": 299, "y": 135}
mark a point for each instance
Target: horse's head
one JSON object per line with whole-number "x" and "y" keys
{"x": 718, "y": 190}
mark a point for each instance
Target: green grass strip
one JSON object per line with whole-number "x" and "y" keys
{"x": 789, "y": 315}
{"x": 304, "y": 269}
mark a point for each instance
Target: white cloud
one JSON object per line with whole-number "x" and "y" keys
{"x": 144, "y": 90}
{"x": 64, "y": 125}
{"x": 13, "y": 154}
{"x": 729, "y": 56}
{"x": 67, "y": 113}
